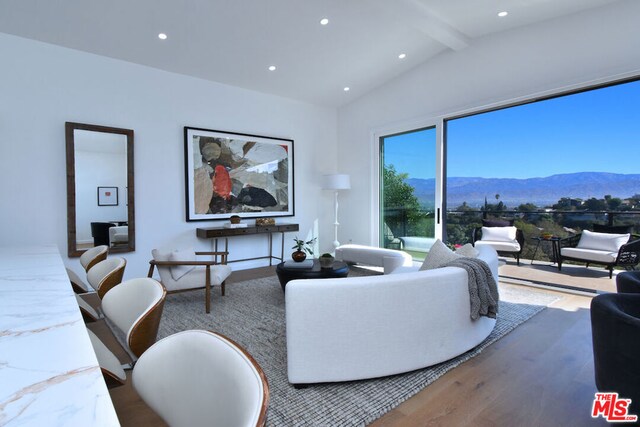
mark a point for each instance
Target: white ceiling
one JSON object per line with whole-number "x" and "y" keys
{"x": 234, "y": 41}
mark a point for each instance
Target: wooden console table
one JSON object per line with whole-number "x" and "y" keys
{"x": 219, "y": 232}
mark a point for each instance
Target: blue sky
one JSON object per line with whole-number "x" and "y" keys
{"x": 594, "y": 131}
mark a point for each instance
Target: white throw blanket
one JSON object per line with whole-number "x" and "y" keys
{"x": 483, "y": 290}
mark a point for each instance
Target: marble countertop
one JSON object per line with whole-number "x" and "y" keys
{"x": 49, "y": 374}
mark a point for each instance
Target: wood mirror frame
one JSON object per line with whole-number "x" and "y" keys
{"x": 72, "y": 247}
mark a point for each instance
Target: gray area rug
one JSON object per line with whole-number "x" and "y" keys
{"x": 253, "y": 313}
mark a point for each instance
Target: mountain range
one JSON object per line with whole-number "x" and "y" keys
{"x": 539, "y": 191}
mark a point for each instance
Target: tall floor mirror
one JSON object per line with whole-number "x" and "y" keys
{"x": 100, "y": 188}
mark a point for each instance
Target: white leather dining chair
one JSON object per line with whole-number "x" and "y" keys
{"x": 201, "y": 378}
{"x": 88, "y": 259}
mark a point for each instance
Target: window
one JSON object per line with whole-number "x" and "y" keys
{"x": 407, "y": 191}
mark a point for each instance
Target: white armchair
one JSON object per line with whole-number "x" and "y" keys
{"x": 200, "y": 378}
{"x": 118, "y": 235}
{"x": 181, "y": 271}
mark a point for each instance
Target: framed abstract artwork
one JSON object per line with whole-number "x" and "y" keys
{"x": 107, "y": 196}
{"x": 229, "y": 173}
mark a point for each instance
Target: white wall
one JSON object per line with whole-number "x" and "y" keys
{"x": 597, "y": 45}
{"x": 42, "y": 86}
{"x": 93, "y": 170}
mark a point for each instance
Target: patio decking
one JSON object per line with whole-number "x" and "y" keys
{"x": 572, "y": 277}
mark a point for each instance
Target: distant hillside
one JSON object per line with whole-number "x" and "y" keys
{"x": 539, "y": 191}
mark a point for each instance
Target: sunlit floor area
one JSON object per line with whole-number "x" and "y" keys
{"x": 570, "y": 278}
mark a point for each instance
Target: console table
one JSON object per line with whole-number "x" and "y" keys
{"x": 49, "y": 373}
{"x": 268, "y": 230}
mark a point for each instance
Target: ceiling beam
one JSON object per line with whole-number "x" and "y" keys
{"x": 421, "y": 17}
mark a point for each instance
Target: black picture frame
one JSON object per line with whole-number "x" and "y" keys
{"x": 230, "y": 173}
{"x": 107, "y": 196}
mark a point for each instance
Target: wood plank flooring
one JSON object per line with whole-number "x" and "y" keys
{"x": 541, "y": 374}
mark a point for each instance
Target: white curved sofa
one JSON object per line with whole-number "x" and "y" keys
{"x": 389, "y": 259}
{"x": 366, "y": 327}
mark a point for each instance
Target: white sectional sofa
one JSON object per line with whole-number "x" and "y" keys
{"x": 389, "y": 259}
{"x": 366, "y": 327}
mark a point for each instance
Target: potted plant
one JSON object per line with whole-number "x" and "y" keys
{"x": 326, "y": 260}
{"x": 302, "y": 248}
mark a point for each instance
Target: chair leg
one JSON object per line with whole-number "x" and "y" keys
{"x": 223, "y": 286}
{"x": 207, "y": 293}
{"x": 518, "y": 259}
{"x": 610, "y": 272}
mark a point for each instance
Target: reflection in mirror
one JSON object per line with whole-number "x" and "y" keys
{"x": 99, "y": 188}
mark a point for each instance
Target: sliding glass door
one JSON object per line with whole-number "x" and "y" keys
{"x": 408, "y": 191}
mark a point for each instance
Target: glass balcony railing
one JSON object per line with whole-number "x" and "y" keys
{"x": 460, "y": 224}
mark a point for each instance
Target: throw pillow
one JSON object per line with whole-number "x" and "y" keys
{"x": 497, "y": 222}
{"x": 438, "y": 255}
{"x": 499, "y": 234}
{"x": 602, "y": 241}
{"x": 468, "y": 250}
{"x": 178, "y": 271}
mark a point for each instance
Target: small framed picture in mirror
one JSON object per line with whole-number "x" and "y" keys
{"x": 107, "y": 196}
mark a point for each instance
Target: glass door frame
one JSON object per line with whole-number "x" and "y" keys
{"x": 376, "y": 170}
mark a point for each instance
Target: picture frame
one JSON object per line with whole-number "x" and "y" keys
{"x": 230, "y": 173}
{"x": 107, "y": 196}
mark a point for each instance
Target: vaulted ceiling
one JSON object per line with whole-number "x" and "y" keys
{"x": 235, "y": 41}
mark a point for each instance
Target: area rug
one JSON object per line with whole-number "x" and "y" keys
{"x": 253, "y": 314}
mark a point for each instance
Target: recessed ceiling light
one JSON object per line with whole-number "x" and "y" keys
{"x": 402, "y": 55}
{"x": 346, "y": 89}
{"x": 162, "y": 36}
{"x": 503, "y": 14}
{"x": 324, "y": 21}
{"x": 272, "y": 67}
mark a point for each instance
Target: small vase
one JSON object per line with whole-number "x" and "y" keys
{"x": 299, "y": 256}
{"x": 326, "y": 262}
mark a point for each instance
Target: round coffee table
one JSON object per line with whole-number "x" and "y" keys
{"x": 338, "y": 269}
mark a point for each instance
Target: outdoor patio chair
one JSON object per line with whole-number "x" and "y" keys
{"x": 601, "y": 248}
{"x": 501, "y": 235}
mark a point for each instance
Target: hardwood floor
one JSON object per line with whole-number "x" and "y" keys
{"x": 541, "y": 374}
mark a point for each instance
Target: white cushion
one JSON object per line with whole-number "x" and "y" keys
{"x": 499, "y": 234}
{"x": 500, "y": 246}
{"x": 182, "y": 255}
{"x": 602, "y": 241}
{"x": 196, "y": 278}
{"x": 438, "y": 255}
{"x": 467, "y": 250}
{"x": 606, "y": 257}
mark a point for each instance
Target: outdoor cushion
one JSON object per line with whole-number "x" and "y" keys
{"x": 606, "y": 257}
{"x": 500, "y": 246}
{"x": 602, "y": 241}
{"x": 499, "y": 234}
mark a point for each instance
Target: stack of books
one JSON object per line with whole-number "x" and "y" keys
{"x": 307, "y": 263}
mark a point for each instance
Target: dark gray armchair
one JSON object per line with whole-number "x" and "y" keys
{"x": 615, "y": 327}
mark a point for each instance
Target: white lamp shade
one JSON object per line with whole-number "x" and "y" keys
{"x": 336, "y": 182}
